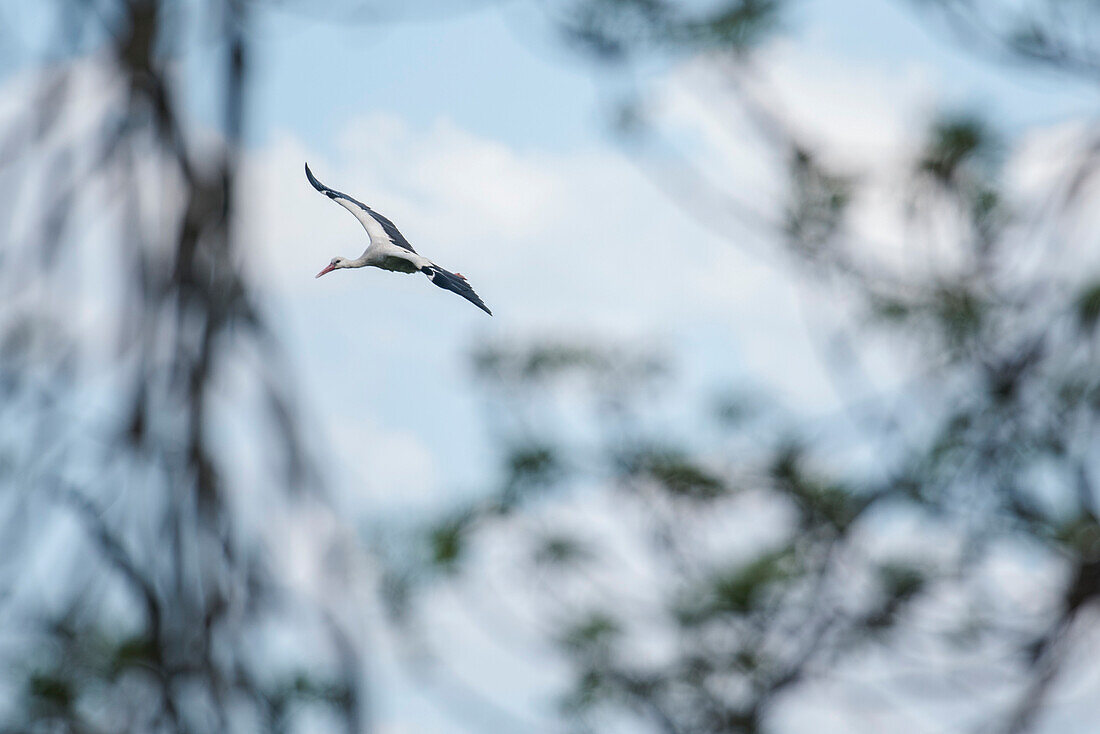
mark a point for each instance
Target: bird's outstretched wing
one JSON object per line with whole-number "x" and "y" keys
{"x": 379, "y": 229}
{"x": 456, "y": 283}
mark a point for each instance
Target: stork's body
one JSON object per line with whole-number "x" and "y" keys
{"x": 389, "y": 250}
{"x": 387, "y": 257}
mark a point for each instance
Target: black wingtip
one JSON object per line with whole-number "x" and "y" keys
{"x": 455, "y": 284}
{"x": 313, "y": 180}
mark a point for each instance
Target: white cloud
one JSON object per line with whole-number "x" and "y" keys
{"x": 862, "y": 115}
{"x": 381, "y": 468}
{"x": 576, "y": 242}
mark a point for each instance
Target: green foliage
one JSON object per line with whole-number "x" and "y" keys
{"x": 533, "y": 465}
{"x": 987, "y": 214}
{"x": 614, "y": 30}
{"x": 151, "y": 611}
{"x": 447, "y": 541}
{"x": 1032, "y": 39}
{"x": 1080, "y": 535}
{"x": 956, "y": 144}
{"x": 592, "y": 636}
{"x": 609, "y": 28}
{"x": 675, "y": 472}
{"x": 546, "y": 361}
{"x": 990, "y": 437}
{"x": 818, "y": 201}
{"x": 901, "y": 580}
{"x": 308, "y": 688}
{"x": 737, "y": 26}
{"x": 733, "y": 409}
{"x": 888, "y": 308}
{"x": 561, "y": 551}
{"x": 959, "y": 311}
{"x": 1088, "y": 306}
{"x": 134, "y": 651}
{"x": 739, "y": 590}
{"x": 899, "y": 583}
{"x": 591, "y": 688}
{"x": 820, "y": 501}
{"x": 396, "y": 591}
{"x": 51, "y": 691}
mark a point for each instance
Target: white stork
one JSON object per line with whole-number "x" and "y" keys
{"x": 390, "y": 250}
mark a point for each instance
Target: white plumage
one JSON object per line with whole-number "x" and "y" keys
{"x": 389, "y": 250}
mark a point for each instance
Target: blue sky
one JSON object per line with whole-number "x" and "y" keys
{"x": 498, "y": 77}
{"x": 486, "y": 141}
{"x": 389, "y": 114}
{"x": 500, "y": 71}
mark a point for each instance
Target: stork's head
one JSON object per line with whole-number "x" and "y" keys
{"x": 334, "y": 264}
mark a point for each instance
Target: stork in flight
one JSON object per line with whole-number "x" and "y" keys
{"x": 390, "y": 250}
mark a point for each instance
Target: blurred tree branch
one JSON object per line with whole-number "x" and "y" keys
{"x": 177, "y": 315}
{"x": 991, "y": 448}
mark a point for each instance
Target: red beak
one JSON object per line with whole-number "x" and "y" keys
{"x": 328, "y": 269}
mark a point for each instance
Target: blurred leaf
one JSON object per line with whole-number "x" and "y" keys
{"x": 533, "y": 466}
{"x": 138, "y": 650}
{"x": 592, "y": 636}
{"x": 135, "y": 402}
{"x": 952, "y": 439}
{"x": 987, "y": 213}
{"x": 696, "y": 668}
{"x": 1073, "y": 391}
{"x": 818, "y": 201}
{"x": 899, "y": 582}
{"x": 741, "y": 590}
{"x": 1032, "y": 39}
{"x": 820, "y": 500}
{"x": 733, "y": 409}
{"x": 1085, "y": 586}
{"x": 675, "y": 472}
{"x": 544, "y": 361}
{"x": 561, "y": 551}
{"x": 306, "y": 687}
{"x": 547, "y": 361}
{"x": 629, "y": 120}
{"x": 1080, "y": 535}
{"x": 55, "y": 692}
{"x": 1006, "y": 375}
{"x": 890, "y": 309}
{"x": 747, "y": 660}
{"x": 396, "y": 591}
{"x": 738, "y": 25}
{"x": 954, "y": 142}
{"x": 447, "y": 541}
{"x": 786, "y": 465}
{"x": 960, "y": 313}
{"x": 1088, "y": 306}
{"x": 613, "y": 30}
{"x": 738, "y": 590}
{"x": 591, "y": 687}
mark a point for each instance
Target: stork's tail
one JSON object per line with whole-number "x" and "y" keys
{"x": 456, "y": 283}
